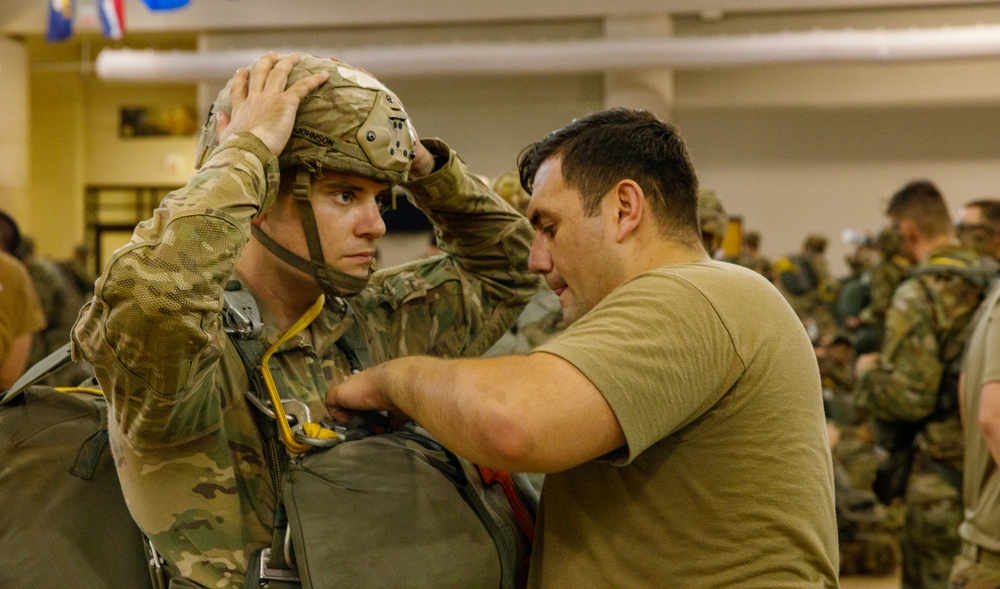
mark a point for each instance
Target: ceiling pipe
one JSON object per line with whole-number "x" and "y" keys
{"x": 583, "y": 56}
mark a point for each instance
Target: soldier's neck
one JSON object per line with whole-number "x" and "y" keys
{"x": 286, "y": 292}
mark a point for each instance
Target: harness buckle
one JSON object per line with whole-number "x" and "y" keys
{"x": 266, "y": 573}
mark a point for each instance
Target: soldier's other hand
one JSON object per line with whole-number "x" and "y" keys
{"x": 263, "y": 105}
{"x": 360, "y": 392}
{"x": 865, "y": 363}
{"x": 423, "y": 160}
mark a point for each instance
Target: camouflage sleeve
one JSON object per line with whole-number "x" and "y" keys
{"x": 153, "y": 329}
{"x": 904, "y": 386}
{"x": 460, "y": 303}
{"x": 882, "y": 286}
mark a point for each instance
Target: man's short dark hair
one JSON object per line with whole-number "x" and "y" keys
{"x": 921, "y": 202}
{"x": 990, "y": 208}
{"x": 604, "y": 148}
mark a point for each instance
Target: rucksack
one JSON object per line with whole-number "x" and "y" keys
{"x": 64, "y": 521}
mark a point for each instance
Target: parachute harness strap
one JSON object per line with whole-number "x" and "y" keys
{"x": 92, "y": 391}
{"x": 311, "y": 430}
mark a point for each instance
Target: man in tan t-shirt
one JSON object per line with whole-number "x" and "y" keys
{"x": 679, "y": 416}
{"x": 978, "y": 563}
{"x": 21, "y": 316}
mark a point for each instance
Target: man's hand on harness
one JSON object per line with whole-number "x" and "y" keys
{"x": 261, "y": 103}
{"x": 362, "y": 391}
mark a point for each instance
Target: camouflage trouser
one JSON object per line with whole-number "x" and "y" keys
{"x": 970, "y": 574}
{"x": 930, "y": 539}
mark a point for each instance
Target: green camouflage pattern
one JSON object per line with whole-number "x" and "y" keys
{"x": 926, "y": 327}
{"x": 508, "y": 186}
{"x": 930, "y": 538}
{"x": 885, "y": 277}
{"x": 756, "y": 262}
{"x": 351, "y": 123}
{"x": 185, "y": 444}
{"x": 712, "y": 219}
{"x": 61, "y": 302}
{"x": 541, "y": 320}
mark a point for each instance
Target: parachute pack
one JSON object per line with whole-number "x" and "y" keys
{"x": 64, "y": 520}
{"x": 388, "y": 510}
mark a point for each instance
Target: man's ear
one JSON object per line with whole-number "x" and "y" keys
{"x": 629, "y": 204}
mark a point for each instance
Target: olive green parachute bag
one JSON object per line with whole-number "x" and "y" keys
{"x": 371, "y": 511}
{"x": 64, "y": 521}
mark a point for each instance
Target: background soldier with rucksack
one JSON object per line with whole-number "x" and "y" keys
{"x": 911, "y": 387}
{"x": 195, "y": 454}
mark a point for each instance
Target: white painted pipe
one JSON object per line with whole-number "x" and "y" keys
{"x": 596, "y": 55}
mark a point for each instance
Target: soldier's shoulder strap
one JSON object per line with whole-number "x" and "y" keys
{"x": 982, "y": 275}
{"x": 40, "y": 370}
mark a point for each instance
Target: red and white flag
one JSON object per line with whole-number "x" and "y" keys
{"x": 112, "y": 18}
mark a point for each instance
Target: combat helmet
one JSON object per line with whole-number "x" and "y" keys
{"x": 351, "y": 123}
{"x": 713, "y": 220}
{"x": 508, "y": 186}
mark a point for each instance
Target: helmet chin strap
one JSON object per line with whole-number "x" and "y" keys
{"x": 333, "y": 282}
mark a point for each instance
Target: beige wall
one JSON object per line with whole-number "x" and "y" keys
{"x": 792, "y": 148}
{"x": 75, "y": 143}
{"x": 14, "y": 133}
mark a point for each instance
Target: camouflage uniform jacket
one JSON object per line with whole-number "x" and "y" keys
{"x": 185, "y": 444}
{"x": 926, "y": 328}
{"x": 885, "y": 277}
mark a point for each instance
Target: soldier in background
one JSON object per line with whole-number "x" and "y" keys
{"x": 911, "y": 387}
{"x": 978, "y": 226}
{"x": 61, "y": 303}
{"x": 713, "y": 220}
{"x": 867, "y": 531}
{"x": 804, "y": 279}
{"x": 750, "y": 256}
{"x": 542, "y": 318}
{"x": 885, "y": 277}
{"x": 78, "y": 271}
{"x": 21, "y": 314}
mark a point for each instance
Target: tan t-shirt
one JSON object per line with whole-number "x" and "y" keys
{"x": 980, "y": 480}
{"x": 726, "y": 480}
{"x": 20, "y": 311}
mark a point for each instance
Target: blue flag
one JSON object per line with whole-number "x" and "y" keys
{"x": 60, "y": 20}
{"x": 165, "y": 4}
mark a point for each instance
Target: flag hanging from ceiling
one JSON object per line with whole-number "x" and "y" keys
{"x": 112, "y": 18}
{"x": 60, "y": 20}
{"x": 165, "y": 4}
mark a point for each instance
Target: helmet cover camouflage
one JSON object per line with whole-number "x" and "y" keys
{"x": 712, "y": 218}
{"x": 352, "y": 123}
{"x": 508, "y": 186}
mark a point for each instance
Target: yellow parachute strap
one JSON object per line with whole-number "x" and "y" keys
{"x": 946, "y": 262}
{"x": 902, "y": 261}
{"x": 785, "y": 265}
{"x": 315, "y": 430}
{"x": 284, "y": 431}
{"x": 97, "y": 392}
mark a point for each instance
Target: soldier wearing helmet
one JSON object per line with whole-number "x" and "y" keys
{"x": 296, "y": 164}
{"x": 713, "y": 220}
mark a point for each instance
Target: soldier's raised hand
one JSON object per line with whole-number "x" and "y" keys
{"x": 262, "y": 104}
